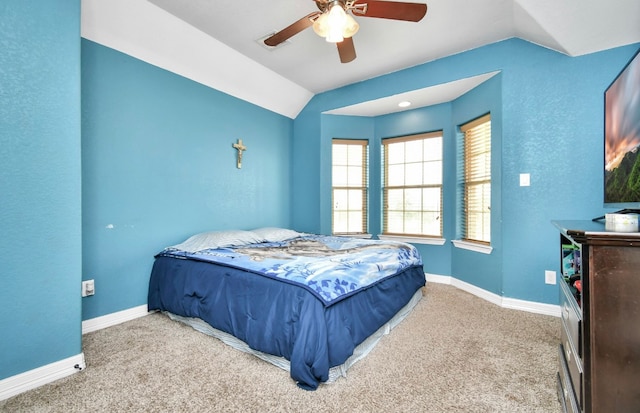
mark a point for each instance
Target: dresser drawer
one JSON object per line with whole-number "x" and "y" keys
{"x": 573, "y": 363}
{"x": 565, "y": 388}
{"x": 571, "y": 317}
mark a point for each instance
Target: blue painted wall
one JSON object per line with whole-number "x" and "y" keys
{"x": 305, "y": 169}
{"x": 547, "y": 120}
{"x": 40, "y": 216}
{"x": 553, "y": 128}
{"x": 158, "y": 165}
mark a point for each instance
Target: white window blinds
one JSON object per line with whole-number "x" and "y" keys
{"x": 349, "y": 186}
{"x": 476, "y": 214}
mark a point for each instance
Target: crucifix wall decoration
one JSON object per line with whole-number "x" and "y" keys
{"x": 241, "y": 148}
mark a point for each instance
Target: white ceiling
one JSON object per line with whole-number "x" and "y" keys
{"x": 180, "y": 35}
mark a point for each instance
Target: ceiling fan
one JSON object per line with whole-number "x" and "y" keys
{"x": 335, "y": 23}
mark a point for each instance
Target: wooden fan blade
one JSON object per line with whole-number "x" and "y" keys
{"x": 291, "y": 30}
{"x": 395, "y": 10}
{"x": 346, "y": 50}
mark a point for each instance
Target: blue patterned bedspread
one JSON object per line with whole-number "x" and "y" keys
{"x": 332, "y": 268}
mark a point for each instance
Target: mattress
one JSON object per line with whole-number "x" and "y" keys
{"x": 335, "y": 372}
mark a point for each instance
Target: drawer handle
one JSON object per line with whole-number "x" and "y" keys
{"x": 567, "y": 350}
{"x": 565, "y": 312}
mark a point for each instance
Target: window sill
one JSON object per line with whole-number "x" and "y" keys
{"x": 472, "y": 246}
{"x": 365, "y": 236}
{"x": 414, "y": 240}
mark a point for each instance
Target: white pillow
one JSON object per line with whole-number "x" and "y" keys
{"x": 272, "y": 234}
{"x": 218, "y": 239}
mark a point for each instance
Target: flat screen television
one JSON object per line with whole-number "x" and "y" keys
{"x": 622, "y": 139}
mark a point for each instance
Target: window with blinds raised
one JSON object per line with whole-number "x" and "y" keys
{"x": 476, "y": 180}
{"x": 412, "y": 185}
{"x": 349, "y": 186}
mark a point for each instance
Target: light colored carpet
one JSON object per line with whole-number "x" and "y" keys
{"x": 454, "y": 353}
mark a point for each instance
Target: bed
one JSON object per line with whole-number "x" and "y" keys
{"x": 311, "y": 300}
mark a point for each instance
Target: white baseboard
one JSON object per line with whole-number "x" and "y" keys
{"x": 439, "y": 279}
{"x": 532, "y": 307}
{"x": 505, "y": 302}
{"x": 112, "y": 319}
{"x": 31, "y": 379}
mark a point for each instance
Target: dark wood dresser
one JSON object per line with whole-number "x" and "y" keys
{"x": 599, "y": 353}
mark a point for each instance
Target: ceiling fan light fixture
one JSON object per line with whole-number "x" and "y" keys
{"x": 334, "y": 36}
{"x": 351, "y": 26}
{"x": 320, "y": 26}
{"x": 336, "y": 22}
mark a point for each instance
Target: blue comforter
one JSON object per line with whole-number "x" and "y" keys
{"x": 332, "y": 268}
{"x": 311, "y": 300}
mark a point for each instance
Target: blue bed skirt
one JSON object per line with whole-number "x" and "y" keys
{"x": 279, "y": 318}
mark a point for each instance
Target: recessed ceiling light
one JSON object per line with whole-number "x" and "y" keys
{"x": 404, "y": 104}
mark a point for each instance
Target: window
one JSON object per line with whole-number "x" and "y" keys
{"x": 412, "y": 185}
{"x": 476, "y": 180}
{"x": 350, "y": 186}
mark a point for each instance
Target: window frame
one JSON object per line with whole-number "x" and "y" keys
{"x": 476, "y": 172}
{"x": 385, "y": 187}
{"x": 364, "y": 143}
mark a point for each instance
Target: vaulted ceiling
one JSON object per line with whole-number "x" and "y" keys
{"x": 219, "y": 42}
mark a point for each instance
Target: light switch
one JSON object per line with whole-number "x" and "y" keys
{"x": 525, "y": 180}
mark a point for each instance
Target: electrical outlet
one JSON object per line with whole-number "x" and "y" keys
{"x": 550, "y": 277}
{"x": 88, "y": 288}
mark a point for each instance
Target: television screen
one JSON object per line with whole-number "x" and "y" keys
{"x": 622, "y": 138}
